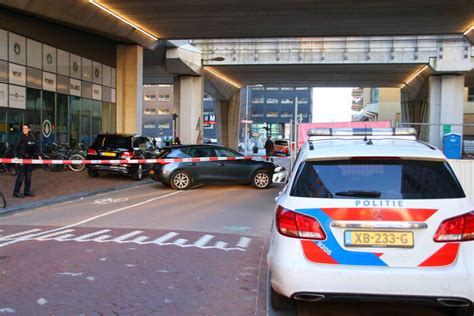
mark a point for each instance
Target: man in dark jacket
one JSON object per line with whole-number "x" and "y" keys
{"x": 269, "y": 147}
{"x": 25, "y": 148}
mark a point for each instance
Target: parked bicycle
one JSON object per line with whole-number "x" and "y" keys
{"x": 6, "y": 151}
{"x": 64, "y": 151}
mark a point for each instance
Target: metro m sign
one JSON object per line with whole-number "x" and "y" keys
{"x": 209, "y": 119}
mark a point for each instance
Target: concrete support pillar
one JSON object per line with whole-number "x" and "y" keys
{"x": 446, "y": 93}
{"x": 129, "y": 95}
{"x": 227, "y": 117}
{"x": 221, "y": 112}
{"x": 189, "y": 94}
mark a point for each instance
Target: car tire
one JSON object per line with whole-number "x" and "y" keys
{"x": 462, "y": 311}
{"x": 137, "y": 174}
{"x": 181, "y": 180}
{"x": 262, "y": 179}
{"x": 280, "y": 302}
{"x": 92, "y": 173}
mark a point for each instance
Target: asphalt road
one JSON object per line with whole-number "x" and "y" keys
{"x": 148, "y": 250}
{"x": 145, "y": 250}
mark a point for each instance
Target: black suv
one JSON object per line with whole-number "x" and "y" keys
{"x": 121, "y": 146}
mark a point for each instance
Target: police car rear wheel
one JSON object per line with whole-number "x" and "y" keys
{"x": 261, "y": 179}
{"x": 181, "y": 180}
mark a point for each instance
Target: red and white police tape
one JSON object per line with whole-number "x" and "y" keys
{"x": 124, "y": 161}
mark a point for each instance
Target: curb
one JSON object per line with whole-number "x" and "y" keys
{"x": 66, "y": 198}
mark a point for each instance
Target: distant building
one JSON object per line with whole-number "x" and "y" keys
{"x": 379, "y": 104}
{"x": 357, "y": 99}
{"x": 272, "y": 108}
{"x": 157, "y": 110}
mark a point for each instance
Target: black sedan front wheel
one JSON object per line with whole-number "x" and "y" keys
{"x": 181, "y": 180}
{"x": 262, "y": 179}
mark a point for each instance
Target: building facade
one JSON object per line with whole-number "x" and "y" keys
{"x": 64, "y": 89}
{"x": 272, "y": 108}
{"x": 158, "y": 109}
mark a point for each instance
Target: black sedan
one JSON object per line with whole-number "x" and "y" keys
{"x": 184, "y": 175}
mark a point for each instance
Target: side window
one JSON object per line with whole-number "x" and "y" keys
{"x": 221, "y": 152}
{"x": 149, "y": 145}
{"x": 142, "y": 143}
{"x": 179, "y": 153}
{"x": 200, "y": 152}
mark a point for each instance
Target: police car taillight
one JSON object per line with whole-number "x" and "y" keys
{"x": 459, "y": 228}
{"x": 297, "y": 225}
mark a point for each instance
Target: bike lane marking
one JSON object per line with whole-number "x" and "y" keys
{"x": 90, "y": 219}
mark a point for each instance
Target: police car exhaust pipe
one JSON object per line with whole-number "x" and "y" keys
{"x": 309, "y": 297}
{"x": 453, "y": 302}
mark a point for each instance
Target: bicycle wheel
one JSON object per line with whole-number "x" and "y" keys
{"x": 3, "y": 202}
{"x": 77, "y": 167}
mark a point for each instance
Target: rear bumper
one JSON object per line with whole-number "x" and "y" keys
{"x": 112, "y": 169}
{"x": 449, "y": 302}
{"x": 292, "y": 274}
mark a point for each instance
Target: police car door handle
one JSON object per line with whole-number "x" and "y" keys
{"x": 221, "y": 164}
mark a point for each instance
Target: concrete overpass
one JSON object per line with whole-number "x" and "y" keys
{"x": 389, "y": 43}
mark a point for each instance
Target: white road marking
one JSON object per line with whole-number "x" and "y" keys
{"x": 89, "y": 219}
{"x": 203, "y": 240}
{"x": 5, "y": 310}
{"x": 244, "y": 242}
{"x": 109, "y": 200}
{"x": 41, "y": 301}
{"x": 65, "y": 234}
{"x": 73, "y": 274}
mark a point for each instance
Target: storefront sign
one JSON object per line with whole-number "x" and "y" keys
{"x": 49, "y": 81}
{"x": 96, "y": 92}
{"x": 75, "y": 87}
{"x": 112, "y": 96}
{"x": 17, "y": 74}
{"x": 46, "y": 128}
{"x": 3, "y": 95}
{"x": 17, "y": 97}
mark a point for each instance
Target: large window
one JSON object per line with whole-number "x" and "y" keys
{"x": 470, "y": 94}
{"x": 96, "y": 118}
{"x": 62, "y": 112}
{"x": 3, "y": 126}
{"x": 108, "y": 117}
{"x": 74, "y": 119}
{"x": 15, "y": 119}
{"x": 33, "y": 111}
{"x": 86, "y": 121}
{"x": 48, "y": 132}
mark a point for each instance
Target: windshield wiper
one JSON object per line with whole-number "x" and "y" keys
{"x": 357, "y": 193}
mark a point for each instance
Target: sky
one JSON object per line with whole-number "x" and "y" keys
{"x": 332, "y": 105}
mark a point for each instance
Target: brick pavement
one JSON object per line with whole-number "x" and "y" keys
{"x": 48, "y": 185}
{"x": 107, "y": 278}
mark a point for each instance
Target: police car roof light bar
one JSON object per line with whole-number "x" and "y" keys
{"x": 362, "y": 132}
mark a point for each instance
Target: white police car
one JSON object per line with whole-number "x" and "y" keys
{"x": 372, "y": 214}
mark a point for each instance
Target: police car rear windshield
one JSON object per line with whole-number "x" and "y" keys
{"x": 376, "y": 179}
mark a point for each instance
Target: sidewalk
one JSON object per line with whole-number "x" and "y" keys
{"x": 55, "y": 187}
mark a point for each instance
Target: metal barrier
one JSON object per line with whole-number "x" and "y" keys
{"x": 126, "y": 161}
{"x": 424, "y": 128}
